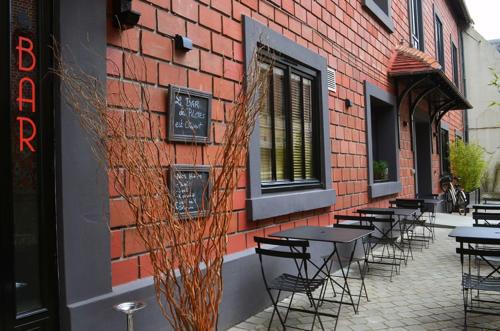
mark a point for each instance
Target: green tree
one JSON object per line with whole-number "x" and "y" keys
{"x": 467, "y": 162}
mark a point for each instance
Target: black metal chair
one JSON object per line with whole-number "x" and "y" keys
{"x": 412, "y": 238}
{"x": 361, "y": 260}
{"x": 291, "y": 283}
{"x": 387, "y": 234}
{"x": 487, "y": 218}
{"x": 486, "y": 285}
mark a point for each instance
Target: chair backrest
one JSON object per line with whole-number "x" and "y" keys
{"x": 298, "y": 248}
{"x": 486, "y": 208}
{"x": 363, "y": 222}
{"x": 410, "y": 203}
{"x": 486, "y": 217}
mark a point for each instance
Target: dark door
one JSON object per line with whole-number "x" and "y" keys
{"x": 29, "y": 265}
{"x": 424, "y": 158}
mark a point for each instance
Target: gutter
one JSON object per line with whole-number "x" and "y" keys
{"x": 464, "y": 81}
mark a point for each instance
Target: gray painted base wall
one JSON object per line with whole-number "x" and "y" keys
{"x": 244, "y": 295}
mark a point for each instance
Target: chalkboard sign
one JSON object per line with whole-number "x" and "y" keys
{"x": 189, "y": 115}
{"x": 190, "y": 187}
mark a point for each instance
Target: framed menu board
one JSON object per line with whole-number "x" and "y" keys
{"x": 190, "y": 188}
{"x": 189, "y": 115}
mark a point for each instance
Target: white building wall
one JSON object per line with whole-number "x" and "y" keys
{"x": 483, "y": 120}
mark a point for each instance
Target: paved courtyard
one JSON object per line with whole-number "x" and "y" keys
{"x": 426, "y": 295}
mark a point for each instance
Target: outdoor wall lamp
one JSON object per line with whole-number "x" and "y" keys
{"x": 124, "y": 17}
{"x": 183, "y": 43}
{"x": 348, "y": 103}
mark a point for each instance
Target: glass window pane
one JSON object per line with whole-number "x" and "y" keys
{"x": 279, "y": 122}
{"x": 308, "y": 128}
{"x": 297, "y": 132}
{"x": 265, "y": 138}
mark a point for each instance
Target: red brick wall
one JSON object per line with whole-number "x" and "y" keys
{"x": 354, "y": 43}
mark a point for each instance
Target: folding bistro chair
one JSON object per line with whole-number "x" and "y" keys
{"x": 486, "y": 218}
{"x": 356, "y": 222}
{"x": 411, "y": 225}
{"x": 291, "y": 283}
{"x": 486, "y": 284}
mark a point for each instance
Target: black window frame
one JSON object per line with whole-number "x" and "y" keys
{"x": 262, "y": 204}
{"x": 416, "y": 24}
{"x": 289, "y": 66}
{"x": 392, "y": 186}
{"x": 439, "y": 40}
{"x": 383, "y": 16}
{"x": 454, "y": 64}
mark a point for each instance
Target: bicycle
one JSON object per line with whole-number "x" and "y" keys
{"x": 455, "y": 199}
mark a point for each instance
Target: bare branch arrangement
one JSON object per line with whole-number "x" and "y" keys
{"x": 186, "y": 250}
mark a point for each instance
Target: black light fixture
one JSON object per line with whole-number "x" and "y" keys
{"x": 348, "y": 103}
{"x": 183, "y": 43}
{"x": 124, "y": 17}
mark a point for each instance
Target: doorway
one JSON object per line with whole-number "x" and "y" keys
{"x": 423, "y": 154}
{"x": 28, "y": 280}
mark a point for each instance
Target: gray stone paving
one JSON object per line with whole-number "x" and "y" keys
{"x": 426, "y": 295}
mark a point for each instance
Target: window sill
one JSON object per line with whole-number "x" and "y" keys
{"x": 278, "y": 204}
{"x": 385, "y": 19}
{"x": 382, "y": 189}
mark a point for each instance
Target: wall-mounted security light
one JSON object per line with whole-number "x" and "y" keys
{"x": 348, "y": 103}
{"x": 183, "y": 43}
{"x": 123, "y": 15}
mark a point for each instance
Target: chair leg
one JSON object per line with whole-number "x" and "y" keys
{"x": 275, "y": 310}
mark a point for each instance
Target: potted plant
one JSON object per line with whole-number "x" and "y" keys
{"x": 380, "y": 170}
{"x": 467, "y": 163}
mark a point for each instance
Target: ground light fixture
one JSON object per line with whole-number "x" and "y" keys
{"x": 124, "y": 16}
{"x": 129, "y": 308}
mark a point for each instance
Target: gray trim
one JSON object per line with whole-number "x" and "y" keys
{"x": 376, "y": 190}
{"x": 256, "y": 33}
{"x": 271, "y": 205}
{"x": 81, "y": 180}
{"x": 385, "y": 19}
{"x": 382, "y": 189}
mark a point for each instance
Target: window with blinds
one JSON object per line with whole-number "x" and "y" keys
{"x": 288, "y": 141}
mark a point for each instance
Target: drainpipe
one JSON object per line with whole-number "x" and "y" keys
{"x": 464, "y": 80}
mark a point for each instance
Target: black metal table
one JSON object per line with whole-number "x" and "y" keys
{"x": 334, "y": 236}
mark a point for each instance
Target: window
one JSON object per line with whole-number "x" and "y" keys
{"x": 416, "y": 27}
{"x": 383, "y": 153}
{"x": 288, "y": 143}
{"x": 289, "y": 153}
{"x": 444, "y": 150}
{"x": 454, "y": 63}
{"x": 381, "y": 9}
{"x": 439, "y": 41}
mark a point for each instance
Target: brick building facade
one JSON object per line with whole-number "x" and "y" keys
{"x": 354, "y": 42}
{"x": 360, "y": 83}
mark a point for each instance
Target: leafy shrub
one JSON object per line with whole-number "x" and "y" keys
{"x": 467, "y": 162}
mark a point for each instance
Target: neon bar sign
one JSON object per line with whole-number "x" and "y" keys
{"x": 26, "y": 94}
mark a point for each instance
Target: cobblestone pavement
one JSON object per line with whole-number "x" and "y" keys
{"x": 426, "y": 295}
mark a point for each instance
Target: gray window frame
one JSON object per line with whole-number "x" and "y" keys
{"x": 384, "y": 18}
{"x": 380, "y": 189}
{"x": 266, "y": 205}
